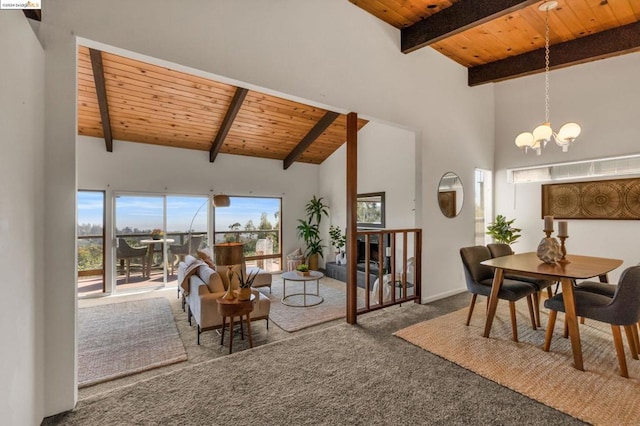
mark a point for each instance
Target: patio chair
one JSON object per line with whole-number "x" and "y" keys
{"x": 125, "y": 253}
{"x": 190, "y": 246}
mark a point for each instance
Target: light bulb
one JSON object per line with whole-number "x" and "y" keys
{"x": 542, "y": 134}
{"x": 524, "y": 140}
{"x": 569, "y": 132}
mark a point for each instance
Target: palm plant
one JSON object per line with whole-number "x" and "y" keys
{"x": 309, "y": 229}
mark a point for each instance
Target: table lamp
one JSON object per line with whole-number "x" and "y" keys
{"x": 229, "y": 254}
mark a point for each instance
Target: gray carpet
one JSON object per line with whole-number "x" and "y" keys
{"x": 121, "y": 339}
{"x": 344, "y": 374}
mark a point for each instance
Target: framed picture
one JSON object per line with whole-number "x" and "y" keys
{"x": 370, "y": 210}
{"x": 599, "y": 199}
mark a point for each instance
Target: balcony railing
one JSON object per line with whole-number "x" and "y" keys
{"x": 395, "y": 257}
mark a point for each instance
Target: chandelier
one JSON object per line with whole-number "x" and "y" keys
{"x": 542, "y": 134}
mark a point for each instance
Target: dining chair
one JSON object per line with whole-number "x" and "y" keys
{"x": 190, "y": 246}
{"x": 605, "y": 289}
{"x": 502, "y": 249}
{"x": 125, "y": 253}
{"x": 479, "y": 280}
{"x": 621, "y": 310}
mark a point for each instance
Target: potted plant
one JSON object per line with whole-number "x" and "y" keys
{"x": 338, "y": 239}
{"x": 309, "y": 230}
{"x": 156, "y": 234}
{"x": 302, "y": 269}
{"x": 244, "y": 292}
{"x": 502, "y": 230}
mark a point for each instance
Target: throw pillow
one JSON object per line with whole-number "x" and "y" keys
{"x": 205, "y": 255}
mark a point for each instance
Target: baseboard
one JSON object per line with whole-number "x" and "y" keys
{"x": 442, "y": 295}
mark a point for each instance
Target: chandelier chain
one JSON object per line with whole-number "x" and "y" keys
{"x": 546, "y": 67}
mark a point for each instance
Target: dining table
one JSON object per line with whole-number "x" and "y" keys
{"x": 151, "y": 244}
{"x": 574, "y": 267}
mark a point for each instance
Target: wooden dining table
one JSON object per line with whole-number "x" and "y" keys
{"x": 528, "y": 264}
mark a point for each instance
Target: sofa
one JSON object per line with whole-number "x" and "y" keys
{"x": 201, "y": 285}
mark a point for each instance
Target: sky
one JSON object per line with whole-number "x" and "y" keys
{"x": 145, "y": 212}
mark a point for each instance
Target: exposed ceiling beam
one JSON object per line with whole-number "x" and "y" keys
{"x": 613, "y": 42}
{"x": 35, "y": 14}
{"x": 101, "y": 91}
{"x": 313, "y": 134}
{"x": 232, "y": 111}
{"x": 455, "y": 19}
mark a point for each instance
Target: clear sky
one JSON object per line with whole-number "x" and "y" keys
{"x": 146, "y": 212}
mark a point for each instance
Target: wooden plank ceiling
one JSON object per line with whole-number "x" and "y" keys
{"x": 150, "y": 104}
{"x": 501, "y": 39}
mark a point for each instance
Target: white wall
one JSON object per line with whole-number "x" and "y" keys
{"x": 604, "y": 98}
{"x": 140, "y": 167}
{"x": 385, "y": 164}
{"x": 21, "y": 221}
{"x": 326, "y": 51}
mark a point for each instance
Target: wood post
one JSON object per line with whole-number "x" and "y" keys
{"x": 352, "y": 196}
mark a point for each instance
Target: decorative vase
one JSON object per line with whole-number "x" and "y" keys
{"x": 313, "y": 262}
{"x": 155, "y": 236}
{"x": 244, "y": 294}
{"x": 549, "y": 250}
{"x": 303, "y": 273}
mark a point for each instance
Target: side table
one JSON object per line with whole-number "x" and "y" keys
{"x": 235, "y": 308}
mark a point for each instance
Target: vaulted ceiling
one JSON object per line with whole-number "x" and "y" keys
{"x": 125, "y": 99}
{"x": 501, "y": 39}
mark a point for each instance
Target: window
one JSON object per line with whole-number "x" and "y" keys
{"x": 90, "y": 242}
{"x": 603, "y": 167}
{"x": 483, "y": 203}
{"x": 254, "y": 221}
{"x": 370, "y": 210}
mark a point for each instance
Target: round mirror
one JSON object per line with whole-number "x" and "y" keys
{"x": 450, "y": 194}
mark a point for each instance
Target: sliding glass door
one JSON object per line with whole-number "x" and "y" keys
{"x": 153, "y": 233}
{"x": 141, "y": 242}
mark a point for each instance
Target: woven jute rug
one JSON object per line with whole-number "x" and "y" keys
{"x": 291, "y": 318}
{"x": 597, "y": 395}
{"x": 120, "y": 339}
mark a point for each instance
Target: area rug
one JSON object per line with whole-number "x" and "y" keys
{"x": 119, "y": 339}
{"x": 597, "y": 396}
{"x": 357, "y": 375}
{"x": 291, "y": 318}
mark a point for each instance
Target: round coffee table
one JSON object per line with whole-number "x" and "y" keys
{"x": 316, "y": 299}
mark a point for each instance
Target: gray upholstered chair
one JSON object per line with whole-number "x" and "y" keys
{"x": 502, "y": 249}
{"x": 190, "y": 246}
{"x": 125, "y": 253}
{"x": 480, "y": 278}
{"x": 623, "y": 309}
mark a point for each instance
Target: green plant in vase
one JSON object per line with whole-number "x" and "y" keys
{"x": 309, "y": 230}
{"x": 338, "y": 239}
{"x": 502, "y": 231}
{"x": 303, "y": 269}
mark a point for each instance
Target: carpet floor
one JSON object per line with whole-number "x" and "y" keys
{"x": 292, "y": 318}
{"x": 343, "y": 374}
{"x": 121, "y": 339}
{"x": 598, "y": 395}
